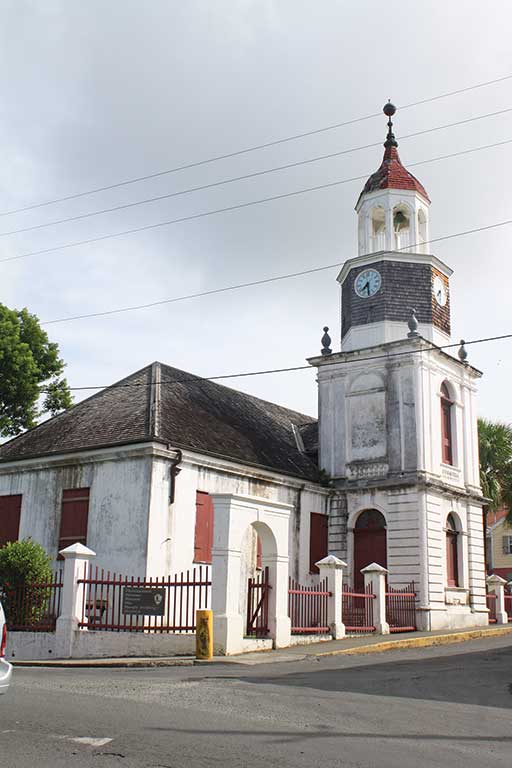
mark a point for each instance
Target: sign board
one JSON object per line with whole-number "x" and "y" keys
{"x": 144, "y": 601}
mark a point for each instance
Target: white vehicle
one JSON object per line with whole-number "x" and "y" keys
{"x": 5, "y": 667}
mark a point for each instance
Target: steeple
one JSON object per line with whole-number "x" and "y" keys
{"x": 393, "y": 205}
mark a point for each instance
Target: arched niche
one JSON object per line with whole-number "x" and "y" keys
{"x": 402, "y": 225}
{"x": 377, "y": 229}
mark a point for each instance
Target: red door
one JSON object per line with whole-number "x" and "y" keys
{"x": 369, "y": 544}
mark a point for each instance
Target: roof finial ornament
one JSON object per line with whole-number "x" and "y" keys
{"x": 326, "y": 342}
{"x": 389, "y": 110}
{"x": 463, "y": 353}
{"x": 413, "y": 325}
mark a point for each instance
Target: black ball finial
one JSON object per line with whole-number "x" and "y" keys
{"x": 389, "y": 109}
{"x": 326, "y": 342}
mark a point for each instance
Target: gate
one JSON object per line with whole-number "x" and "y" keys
{"x": 357, "y": 610}
{"x": 308, "y": 607}
{"x": 401, "y": 609}
{"x": 257, "y": 605}
{"x": 508, "y": 601}
{"x": 491, "y": 605}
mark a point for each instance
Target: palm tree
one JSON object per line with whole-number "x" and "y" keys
{"x": 495, "y": 444}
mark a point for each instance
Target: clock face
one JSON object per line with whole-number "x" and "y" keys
{"x": 440, "y": 293}
{"x": 367, "y": 283}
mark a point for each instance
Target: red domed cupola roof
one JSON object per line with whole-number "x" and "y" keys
{"x": 392, "y": 174}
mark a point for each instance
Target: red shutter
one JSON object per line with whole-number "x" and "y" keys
{"x": 74, "y": 516}
{"x": 203, "y": 540}
{"x": 10, "y": 511}
{"x": 452, "y": 564}
{"x": 259, "y": 555}
{"x": 446, "y": 429}
{"x": 318, "y": 539}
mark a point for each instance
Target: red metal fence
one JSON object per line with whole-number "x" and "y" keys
{"x": 357, "y": 610}
{"x": 401, "y": 608}
{"x": 307, "y": 608}
{"x": 257, "y": 605}
{"x": 491, "y": 604}
{"x": 120, "y": 603}
{"x": 33, "y": 607}
{"x": 508, "y": 602}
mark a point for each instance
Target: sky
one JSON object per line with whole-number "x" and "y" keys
{"x": 96, "y": 93}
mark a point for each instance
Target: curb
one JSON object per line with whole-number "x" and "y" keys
{"x": 418, "y": 642}
{"x": 104, "y": 663}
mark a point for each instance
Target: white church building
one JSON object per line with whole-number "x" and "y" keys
{"x": 164, "y": 470}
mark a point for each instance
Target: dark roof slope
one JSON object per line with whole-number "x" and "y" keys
{"x": 166, "y": 404}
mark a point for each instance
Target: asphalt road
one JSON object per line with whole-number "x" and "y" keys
{"x": 448, "y": 707}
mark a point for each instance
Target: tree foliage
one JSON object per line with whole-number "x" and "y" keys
{"x": 31, "y": 382}
{"x": 495, "y": 444}
{"x": 25, "y": 567}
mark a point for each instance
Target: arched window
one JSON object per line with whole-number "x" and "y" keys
{"x": 452, "y": 556}
{"x": 446, "y": 425}
{"x": 402, "y": 226}
{"x": 422, "y": 226}
{"x": 378, "y": 229}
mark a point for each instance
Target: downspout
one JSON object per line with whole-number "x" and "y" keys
{"x": 174, "y": 472}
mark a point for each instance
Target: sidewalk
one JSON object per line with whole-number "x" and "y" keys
{"x": 348, "y": 646}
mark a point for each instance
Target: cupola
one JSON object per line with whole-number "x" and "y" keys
{"x": 393, "y": 207}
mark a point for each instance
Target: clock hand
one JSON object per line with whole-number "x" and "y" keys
{"x": 366, "y": 287}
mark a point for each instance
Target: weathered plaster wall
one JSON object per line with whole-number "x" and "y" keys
{"x": 118, "y": 506}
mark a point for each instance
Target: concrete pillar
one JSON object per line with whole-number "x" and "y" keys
{"x": 279, "y": 623}
{"x": 331, "y": 568}
{"x": 497, "y": 585}
{"x": 375, "y": 575}
{"x": 76, "y": 558}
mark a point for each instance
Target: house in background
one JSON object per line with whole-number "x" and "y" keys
{"x": 165, "y": 470}
{"x": 499, "y": 544}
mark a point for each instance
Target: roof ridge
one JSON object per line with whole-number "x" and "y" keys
{"x": 243, "y": 394}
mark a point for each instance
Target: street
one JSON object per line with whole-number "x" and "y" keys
{"x": 447, "y": 706}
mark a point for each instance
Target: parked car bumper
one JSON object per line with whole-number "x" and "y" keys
{"x": 5, "y": 675}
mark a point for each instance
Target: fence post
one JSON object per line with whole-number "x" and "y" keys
{"x": 331, "y": 568}
{"x": 75, "y": 558}
{"x": 375, "y": 575}
{"x": 497, "y": 585}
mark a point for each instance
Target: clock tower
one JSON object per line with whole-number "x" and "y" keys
{"x": 397, "y": 418}
{"x": 393, "y": 273}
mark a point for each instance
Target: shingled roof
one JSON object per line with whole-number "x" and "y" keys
{"x": 177, "y": 408}
{"x": 392, "y": 175}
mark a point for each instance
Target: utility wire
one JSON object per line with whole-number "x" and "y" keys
{"x": 255, "y": 174}
{"x": 236, "y": 207}
{"x": 193, "y": 379}
{"x": 255, "y": 148}
{"x": 265, "y": 280}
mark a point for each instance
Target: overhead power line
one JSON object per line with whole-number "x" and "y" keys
{"x": 237, "y": 206}
{"x": 237, "y": 153}
{"x": 263, "y": 281}
{"x": 193, "y": 379}
{"x": 243, "y": 177}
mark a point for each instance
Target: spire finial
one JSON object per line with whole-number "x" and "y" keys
{"x": 389, "y": 110}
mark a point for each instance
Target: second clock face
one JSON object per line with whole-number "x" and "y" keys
{"x": 367, "y": 283}
{"x": 440, "y": 293}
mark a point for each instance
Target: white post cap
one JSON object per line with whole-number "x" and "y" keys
{"x": 77, "y": 550}
{"x": 374, "y": 568}
{"x": 331, "y": 561}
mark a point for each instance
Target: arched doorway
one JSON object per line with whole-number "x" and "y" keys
{"x": 369, "y": 543}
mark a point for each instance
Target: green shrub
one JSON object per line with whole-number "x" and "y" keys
{"x": 23, "y": 564}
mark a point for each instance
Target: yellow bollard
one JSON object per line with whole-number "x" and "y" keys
{"x": 204, "y": 635}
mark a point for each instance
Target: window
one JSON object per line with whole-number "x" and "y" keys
{"x": 452, "y": 556}
{"x": 507, "y": 545}
{"x": 402, "y": 226}
{"x": 318, "y": 540}
{"x": 446, "y": 425}
{"x": 10, "y": 511}
{"x": 74, "y": 517}
{"x": 203, "y": 538}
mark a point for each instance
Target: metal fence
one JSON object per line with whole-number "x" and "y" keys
{"x": 307, "y": 608}
{"x": 401, "y": 608}
{"x": 357, "y": 610}
{"x": 491, "y": 604}
{"x": 508, "y": 602}
{"x": 33, "y": 607}
{"x": 124, "y": 604}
